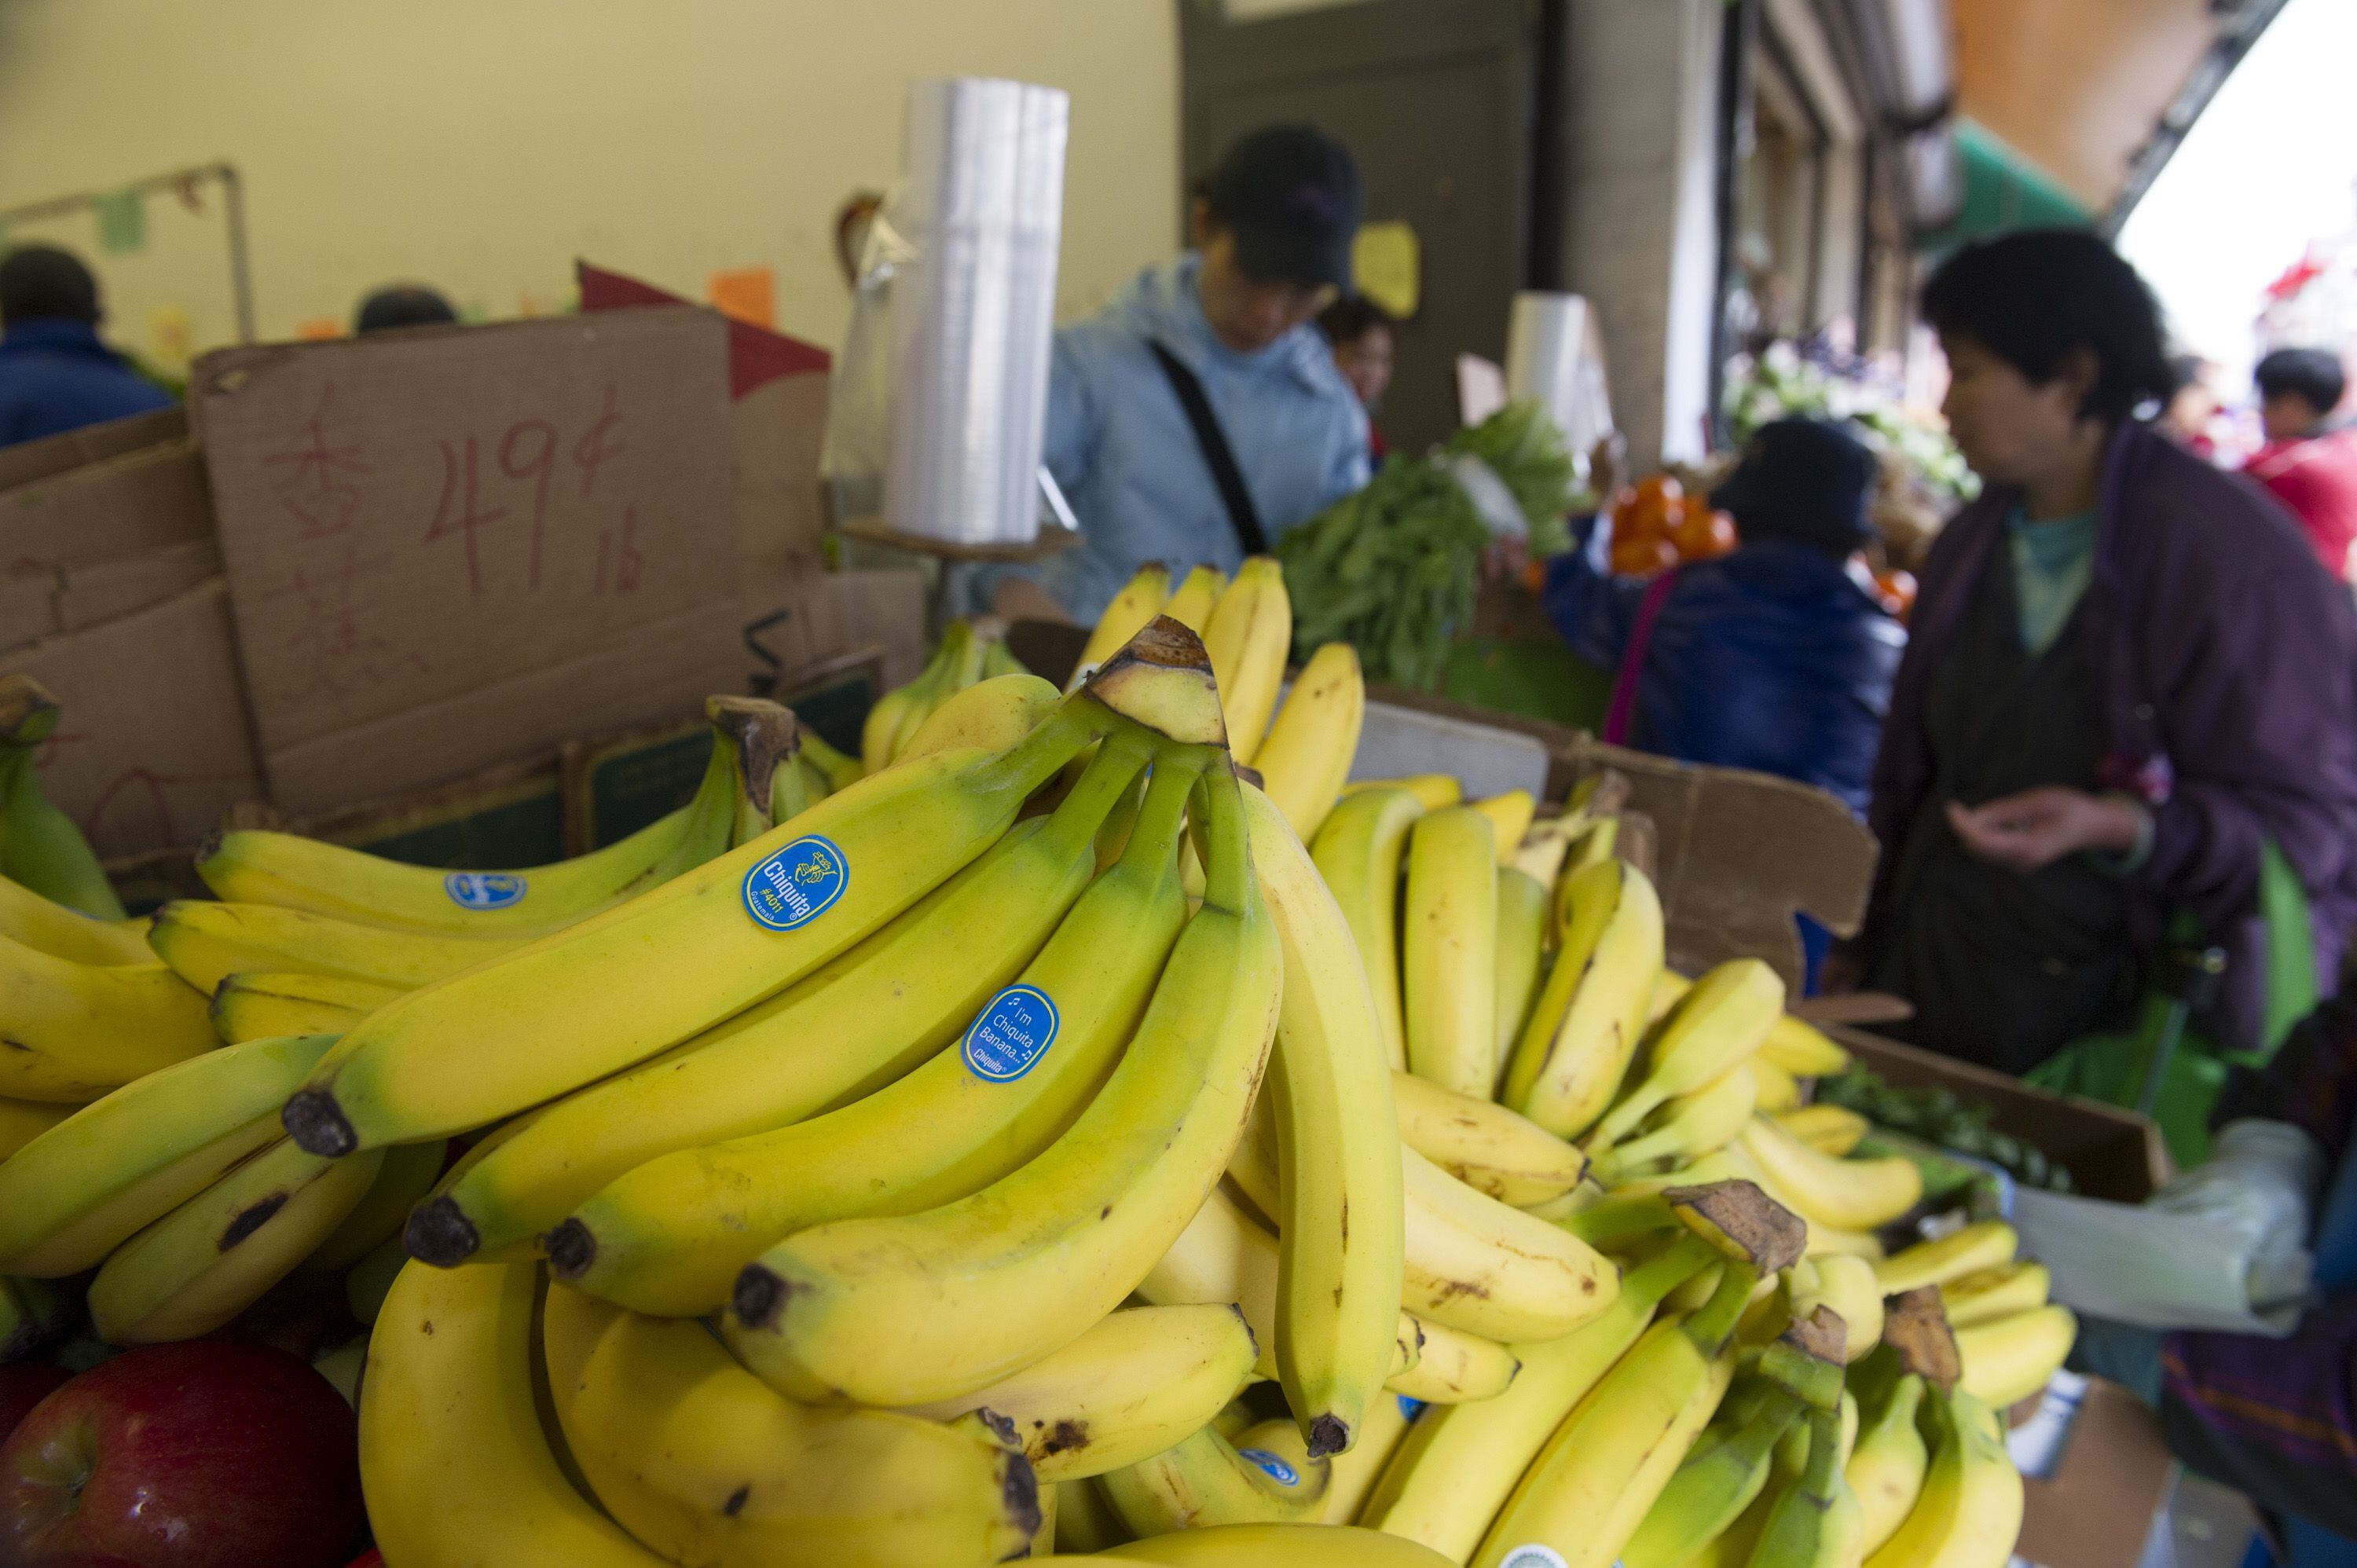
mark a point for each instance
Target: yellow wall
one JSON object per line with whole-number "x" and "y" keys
{"x": 481, "y": 145}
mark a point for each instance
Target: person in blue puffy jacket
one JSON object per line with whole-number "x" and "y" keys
{"x": 1777, "y": 657}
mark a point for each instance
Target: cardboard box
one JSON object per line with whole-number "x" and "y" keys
{"x": 450, "y": 547}
{"x": 2091, "y": 1492}
{"x": 39, "y": 603}
{"x": 125, "y": 505}
{"x": 153, "y": 744}
{"x": 30, "y": 460}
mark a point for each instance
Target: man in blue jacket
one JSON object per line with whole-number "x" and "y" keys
{"x": 54, "y": 375}
{"x": 1208, "y": 362}
{"x": 1778, "y": 656}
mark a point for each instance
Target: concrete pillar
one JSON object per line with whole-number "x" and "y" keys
{"x": 1640, "y": 235}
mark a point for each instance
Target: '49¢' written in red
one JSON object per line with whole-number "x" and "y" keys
{"x": 524, "y": 474}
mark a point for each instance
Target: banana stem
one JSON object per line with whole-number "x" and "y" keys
{"x": 1154, "y": 837}
{"x": 1103, "y": 783}
{"x": 1824, "y": 1473}
{"x": 1227, "y": 871}
{"x": 1712, "y": 1323}
{"x": 1665, "y": 1271}
{"x": 1611, "y": 1218}
{"x": 1056, "y": 740}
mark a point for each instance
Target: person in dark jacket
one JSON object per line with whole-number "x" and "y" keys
{"x": 55, "y": 374}
{"x": 2126, "y": 675}
{"x": 1777, "y": 657}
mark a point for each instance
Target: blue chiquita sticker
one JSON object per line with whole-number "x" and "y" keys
{"x": 484, "y": 889}
{"x": 1408, "y": 1407}
{"x": 793, "y": 887}
{"x": 1276, "y": 1469}
{"x": 1534, "y": 1555}
{"x": 1010, "y": 1034}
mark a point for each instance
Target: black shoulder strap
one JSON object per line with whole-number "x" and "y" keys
{"x": 1217, "y": 454}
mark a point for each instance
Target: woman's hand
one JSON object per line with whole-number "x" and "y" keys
{"x": 2039, "y": 827}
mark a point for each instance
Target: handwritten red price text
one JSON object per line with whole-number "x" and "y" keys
{"x": 526, "y": 456}
{"x": 316, "y": 476}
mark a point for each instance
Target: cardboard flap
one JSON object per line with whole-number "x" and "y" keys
{"x": 29, "y": 461}
{"x": 122, "y": 505}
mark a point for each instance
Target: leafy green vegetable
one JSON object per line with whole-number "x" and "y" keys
{"x": 1935, "y": 1114}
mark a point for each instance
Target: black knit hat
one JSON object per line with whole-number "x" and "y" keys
{"x": 1290, "y": 193}
{"x": 1810, "y": 480}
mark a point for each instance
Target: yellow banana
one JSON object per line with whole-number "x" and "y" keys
{"x": 965, "y": 646}
{"x": 1248, "y": 635}
{"x": 897, "y": 714}
{"x": 1583, "y": 1027}
{"x": 1434, "y": 791}
{"x": 1832, "y": 1130}
{"x": 1989, "y": 1293}
{"x": 700, "y": 947}
{"x": 80, "y": 1190}
{"x": 64, "y": 931}
{"x": 77, "y": 1030}
{"x": 1847, "y": 1285}
{"x": 1136, "y": 1383}
{"x": 1474, "y": 1263}
{"x": 1306, "y": 754}
{"x": 22, "y": 1121}
{"x": 1509, "y": 815}
{"x": 211, "y": 1258}
{"x": 1521, "y": 953}
{"x": 259, "y": 1005}
{"x": 1258, "y": 1545}
{"x": 1139, "y": 601}
{"x": 993, "y": 715}
{"x": 877, "y": 1012}
{"x": 1353, "y": 1476}
{"x": 1780, "y": 1091}
{"x": 1802, "y": 1049}
{"x": 1716, "y": 1024}
{"x": 702, "y": 1462}
{"x": 1984, "y": 1244}
{"x": 453, "y": 1354}
{"x": 1488, "y": 1147}
{"x": 1968, "y": 1514}
{"x": 1084, "y": 1521}
{"x": 906, "y": 1310}
{"x": 1817, "y": 1521}
{"x": 672, "y": 1235}
{"x": 1448, "y": 943}
{"x": 1723, "y": 1475}
{"x": 2008, "y": 1359}
{"x": 1851, "y": 1194}
{"x": 205, "y": 943}
{"x": 1359, "y": 851}
{"x": 407, "y": 1174}
{"x": 1191, "y": 602}
{"x": 838, "y": 771}
{"x": 1687, "y": 1128}
{"x": 1453, "y": 1367}
{"x": 1205, "y": 1481}
{"x": 1886, "y": 1468}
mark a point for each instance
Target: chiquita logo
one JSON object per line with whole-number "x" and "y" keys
{"x": 1010, "y": 1034}
{"x": 483, "y": 889}
{"x": 794, "y": 885}
{"x": 1277, "y": 1470}
{"x": 1535, "y": 1556}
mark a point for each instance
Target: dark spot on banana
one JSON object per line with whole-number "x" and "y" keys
{"x": 440, "y": 1233}
{"x": 14, "y": 1044}
{"x": 1328, "y": 1436}
{"x": 1066, "y": 1436}
{"x": 1106, "y": 1212}
{"x": 1021, "y": 1494}
{"x": 759, "y": 1298}
{"x": 736, "y": 1500}
{"x": 571, "y": 1250}
{"x": 252, "y": 1218}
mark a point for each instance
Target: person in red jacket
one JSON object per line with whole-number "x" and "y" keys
{"x": 2308, "y": 463}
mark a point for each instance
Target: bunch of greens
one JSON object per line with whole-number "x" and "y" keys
{"x": 1935, "y": 1114}
{"x": 1394, "y": 569}
{"x": 1780, "y": 384}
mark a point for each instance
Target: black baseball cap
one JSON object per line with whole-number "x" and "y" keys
{"x": 1290, "y": 194}
{"x": 1810, "y": 480}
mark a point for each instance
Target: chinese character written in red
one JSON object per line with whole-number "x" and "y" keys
{"x": 316, "y": 483}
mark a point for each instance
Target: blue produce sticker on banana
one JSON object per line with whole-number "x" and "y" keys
{"x": 1276, "y": 1469}
{"x": 1534, "y": 1555}
{"x": 1010, "y": 1034}
{"x": 791, "y": 887}
{"x": 484, "y": 889}
{"x": 1408, "y": 1407}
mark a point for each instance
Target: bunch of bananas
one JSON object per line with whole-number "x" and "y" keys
{"x": 40, "y": 848}
{"x": 971, "y": 652}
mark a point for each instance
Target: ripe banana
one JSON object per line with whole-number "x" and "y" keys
{"x": 1847, "y": 1285}
{"x": 453, "y": 1354}
{"x": 1716, "y": 1024}
{"x": 1258, "y": 1545}
{"x": 700, "y": 947}
{"x": 1248, "y": 635}
{"x": 993, "y": 715}
{"x": 1140, "y": 600}
{"x": 1137, "y": 1382}
{"x": 1307, "y": 754}
{"x": 1832, "y": 1130}
{"x": 672, "y": 1235}
{"x": 22, "y": 1121}
{"x": 704, "y": 1464}
{"x": 1985, "y": 1244}
{"x": 205, "y": 943}
{"x": 1353, "y": 1476}
{"x": 1802, "y": 1049}
{"x": 1780, "y": 1091}
{"x": 1458, "y": 1463}
{"x": 1434, "y": 791}
{"x": 1583, "y": 1028}
{"x": 62, "y": 931}
{"x": 1448, "y": 943}
{"x": 1996, "y": 1293}
{"x": 1453, "y": 1367}
{"x": 871, "y": 1016}
{"x": 1850, "y": 1194}
{"x": 1886, "y": 1468}
{"x": 1968, "y": 1514}
{"x": 1520, "y": 954}
{"x": 211, "y": 1258}
{"x": 907, "y": 1309}
{"x": 1722, "y": 1476}
{"x": 1591, "y": 1486}
{"x": 1338, "y": 1150}
{"x": 33, "y": 1313}
{"x": 1687, "y": 1128}
{"x": 839, "y": 771}
{"x": 1190, "y": 604}
{"x": 1359, "y": 851}
{"x": 407, "y": 1174}
{"x": 80, "y": 1190}
{"x": 74, "y": 1031}
{"x": 259, "y": 1005}
{"x": 1206, "y": 1480}
{"x": 1509, "y": 815}
{"x": 1474, "y": 1263}
{"x": 1488, "y": 1147}
{"x": 2006, "y": 1359}
{"x": 1085, "y": 1522}
{"x": 1815, "y": 1522}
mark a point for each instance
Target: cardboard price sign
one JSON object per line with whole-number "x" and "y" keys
{"x": 409, "y": 519}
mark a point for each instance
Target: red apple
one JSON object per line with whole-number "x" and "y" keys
{"x": 24, "y": 1385}
{"x": 201, "y": 1454}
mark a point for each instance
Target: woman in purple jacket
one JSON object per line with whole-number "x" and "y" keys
{"x": 2126, "y": 674}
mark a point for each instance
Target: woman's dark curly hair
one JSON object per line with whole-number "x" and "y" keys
{"x": 2032, "y": 296}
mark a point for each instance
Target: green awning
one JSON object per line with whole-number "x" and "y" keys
{"x": 2003, "y": 190}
